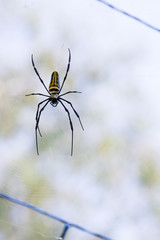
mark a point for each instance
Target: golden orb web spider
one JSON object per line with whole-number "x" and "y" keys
{"x": 54, "y": 98}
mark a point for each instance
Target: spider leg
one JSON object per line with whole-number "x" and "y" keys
{"x": 37, "y": 114}
{"x": 68, "y": 66}
{"x": 69, "y": 92}
{"x": 36, "y": 94}
{"x": 71, "y": 125}
{"x": 37, "y": 120}
{"x": 38, "y": 106}
{"x": 74, "y": 111}
{"x": 35, "y": 69}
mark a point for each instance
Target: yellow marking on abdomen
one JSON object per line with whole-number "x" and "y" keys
{"x": 54, "y": 84}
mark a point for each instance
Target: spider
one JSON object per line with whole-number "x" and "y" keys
{"x": 54, "y": 97}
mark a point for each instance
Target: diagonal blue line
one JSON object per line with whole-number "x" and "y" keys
{"x": 129, "y": 15}
{"x": 39, "y": 210}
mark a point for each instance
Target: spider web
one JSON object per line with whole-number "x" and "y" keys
{"x": 22, "y": 181}
{"x": 16, "y": 219}
{"x": 47, "y": 181}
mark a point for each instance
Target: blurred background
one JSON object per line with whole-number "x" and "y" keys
{"x": 111, "y": 184}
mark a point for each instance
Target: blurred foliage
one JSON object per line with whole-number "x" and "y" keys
{"x": 149, "y": 172}
{"x": 111, "y": 183}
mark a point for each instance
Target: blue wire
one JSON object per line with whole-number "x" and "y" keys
{"x": 66, "y": 228}
{"x": 67, "y": 224}
{"x": 129, "y": 15}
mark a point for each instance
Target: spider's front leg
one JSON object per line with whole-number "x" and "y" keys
{"x": 38, "y": 115}
{"x": 74, "y": 112}
{"x": 70, "y": 122}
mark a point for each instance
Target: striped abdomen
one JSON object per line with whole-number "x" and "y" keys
{"x": 54, "y": 85}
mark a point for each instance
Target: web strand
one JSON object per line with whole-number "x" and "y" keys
{"x": 129, "y": 15}
{"x": 67, "y": 224}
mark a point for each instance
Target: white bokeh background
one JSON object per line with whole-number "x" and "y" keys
{"x": 111, "y": 185}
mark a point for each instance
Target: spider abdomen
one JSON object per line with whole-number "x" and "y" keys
{"x": 54, "y": 85}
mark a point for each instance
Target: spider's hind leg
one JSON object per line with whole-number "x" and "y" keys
{"x": 36, "y": 71}
{"x": 67, "y": 70}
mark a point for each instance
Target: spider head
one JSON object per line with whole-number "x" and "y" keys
{"x": 54, "y": 102}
